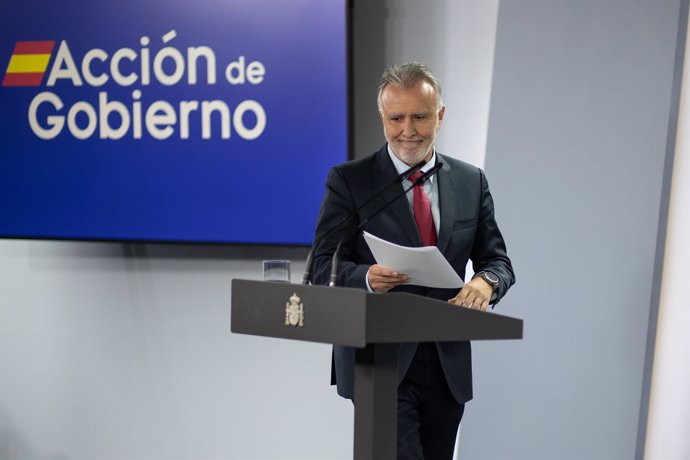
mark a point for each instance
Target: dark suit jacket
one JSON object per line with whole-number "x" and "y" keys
{"x": 468, "y": 231}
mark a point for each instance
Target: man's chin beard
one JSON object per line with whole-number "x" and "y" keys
{"x": 415, "y": 156}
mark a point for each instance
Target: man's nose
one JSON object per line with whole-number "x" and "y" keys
{"x": 409, "y": 127}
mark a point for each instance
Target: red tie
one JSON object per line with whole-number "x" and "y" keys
{"x": 421, "y": 206}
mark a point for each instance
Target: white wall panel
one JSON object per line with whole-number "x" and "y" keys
{"x": 669, "y": 413}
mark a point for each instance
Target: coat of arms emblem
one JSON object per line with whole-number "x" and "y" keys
{"x": 294, "y": 311}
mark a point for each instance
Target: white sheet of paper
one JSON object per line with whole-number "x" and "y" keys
{"x": 425, "y": 266}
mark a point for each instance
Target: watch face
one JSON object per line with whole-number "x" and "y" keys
{"x": 491, "y": 277}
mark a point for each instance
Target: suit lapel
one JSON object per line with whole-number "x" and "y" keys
{"x": 446, "y": 194}
{"x": 400, "y": 207}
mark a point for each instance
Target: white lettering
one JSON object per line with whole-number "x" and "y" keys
{"x": 186, "y": 107}
{"x": 168, "y": 66}
{"x": 208, "y": 107}
{"x": 193, "y": 54}
{"x": 105, "y": 108}
{"x": 236, "y": 73}
{"x": 114, "y": 118}
{"x": 70, "y": 71}
{"x": 168, "y": 53}
{"x": 255, "y": 72}
{"x": 136, "y": 114}
{"x": 145, "y": 61}
{"x": 89, "y": 77}
{"x": 238, "y": 122}
{"x": 92, "y": 120}
{"x": 160, "y": 113}
{"x": 123, "y": 80}
{"x": 54, "y": 122}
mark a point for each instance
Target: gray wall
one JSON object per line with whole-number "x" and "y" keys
{"x": 577, "y": 143}
{"x": 575, "y": 155}
{"x": 111, "y": 351}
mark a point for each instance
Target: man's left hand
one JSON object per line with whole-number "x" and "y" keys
{"x": 475, "y": 294}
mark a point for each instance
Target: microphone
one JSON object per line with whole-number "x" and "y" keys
{"x": 420, "y": 181}
{"x": 398, "y": 180}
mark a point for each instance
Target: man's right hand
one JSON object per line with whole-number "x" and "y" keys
{"x": 382, "y": 279}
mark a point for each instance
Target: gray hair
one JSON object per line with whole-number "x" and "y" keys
{"x": 406, "y": 76}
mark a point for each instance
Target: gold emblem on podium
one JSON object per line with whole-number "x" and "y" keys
{"x": 294, "y": 311}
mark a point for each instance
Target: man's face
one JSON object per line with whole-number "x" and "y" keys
{"x": 411, "y": 120}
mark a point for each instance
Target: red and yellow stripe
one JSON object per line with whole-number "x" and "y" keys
{"x": 28, "y": 63}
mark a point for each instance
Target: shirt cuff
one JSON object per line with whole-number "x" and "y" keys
{"x": 366, "y": 281}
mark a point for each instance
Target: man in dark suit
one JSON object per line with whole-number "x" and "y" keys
{"x": 452, "y": 210}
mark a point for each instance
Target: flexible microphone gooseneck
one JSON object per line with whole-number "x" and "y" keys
{"x": 398, "y": 180}
{"x": 420, "y": 181}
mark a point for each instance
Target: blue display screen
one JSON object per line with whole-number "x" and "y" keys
{"x": 209, "y": 121}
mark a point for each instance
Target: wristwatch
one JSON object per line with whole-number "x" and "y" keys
{"x": 489, "y": 277}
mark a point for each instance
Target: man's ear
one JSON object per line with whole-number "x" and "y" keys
{"x": 441, "y": 111}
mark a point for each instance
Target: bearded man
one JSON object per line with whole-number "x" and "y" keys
{"x": 452, "y": 210}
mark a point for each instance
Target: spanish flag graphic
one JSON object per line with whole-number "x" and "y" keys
{"x": 28, "y": 63}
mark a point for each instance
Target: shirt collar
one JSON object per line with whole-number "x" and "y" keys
{"x": 401, "y": 167}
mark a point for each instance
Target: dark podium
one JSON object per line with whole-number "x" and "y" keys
{"x": 373, "y": 323}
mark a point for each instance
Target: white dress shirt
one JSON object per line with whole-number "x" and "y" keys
{"x": 430, "y": 186}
